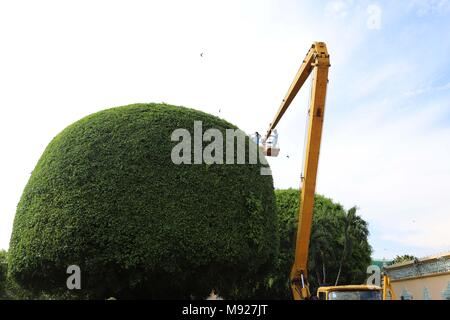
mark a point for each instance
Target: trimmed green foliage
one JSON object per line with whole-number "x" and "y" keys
{"x": 326, "y": 250}
{"x": 3, "y": 273}
{"x": 106, "y": 196}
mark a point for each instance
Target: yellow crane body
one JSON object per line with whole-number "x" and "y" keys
{"x": 317, "y": 63}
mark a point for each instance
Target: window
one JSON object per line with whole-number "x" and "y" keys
{"x": 355, "y": 295}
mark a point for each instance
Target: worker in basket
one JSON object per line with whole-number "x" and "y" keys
{"x": 271, "y": 145}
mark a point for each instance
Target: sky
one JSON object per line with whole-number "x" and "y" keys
{"x": 386, "y": 136}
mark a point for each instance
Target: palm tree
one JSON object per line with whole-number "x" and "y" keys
{"x": 323, "y": 242}
{"x": 318, "y": 246}
{"x": 349, "y": 223}
{"x": 355, "y": 233}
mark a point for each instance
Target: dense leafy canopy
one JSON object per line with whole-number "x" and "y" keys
{"x": 106, "y": 196}
{"x": 3, "y": 274}
{"x": 328, "y": 241}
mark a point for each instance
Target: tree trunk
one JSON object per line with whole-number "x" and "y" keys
{"x": 338, "y": 275}
{"x": 318, "y": 277}
{"x": 323, "y": 269}
{"x": 340, "y": 264}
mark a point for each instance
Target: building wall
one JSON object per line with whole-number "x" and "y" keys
{"x": 421, "y": 279}
{"x": 436, "y": 287}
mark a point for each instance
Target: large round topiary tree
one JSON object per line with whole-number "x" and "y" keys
{"x": 107, "y": 197}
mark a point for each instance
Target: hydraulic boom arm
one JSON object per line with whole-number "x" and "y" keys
{"x": 317, "y": 62}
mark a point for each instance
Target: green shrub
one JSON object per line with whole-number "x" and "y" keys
{"x": 106, "y": 196}
{"x": 3, "y": 273}
{"x": 325, "y": 251}
{"x": 402, "y": 258}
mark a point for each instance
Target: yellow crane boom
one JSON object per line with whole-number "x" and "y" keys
{"x": 316, "y": 62}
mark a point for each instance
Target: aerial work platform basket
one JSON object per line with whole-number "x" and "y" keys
{"x": 268, "y": 147}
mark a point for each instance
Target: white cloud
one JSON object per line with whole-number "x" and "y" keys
{"x": 422, "y": 233}
{"x": 427, "y": 90}
{"x": 396, "y": 170}
{"x": 425, "y": 7}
